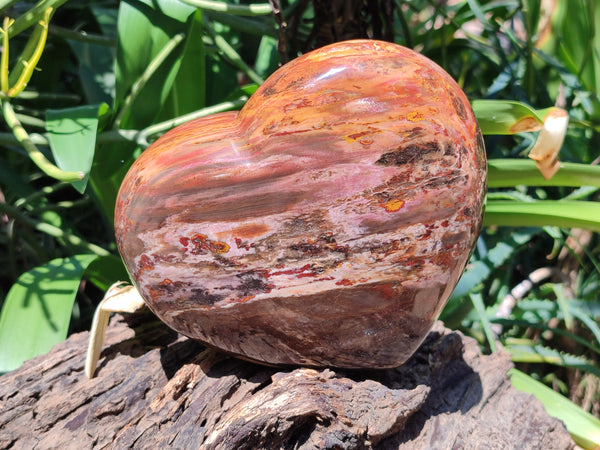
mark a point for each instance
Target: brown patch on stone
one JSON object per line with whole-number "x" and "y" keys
{"x": 459, "y": 107}
{"x": 409, "y": 154}
{"x": 249, "y": 230}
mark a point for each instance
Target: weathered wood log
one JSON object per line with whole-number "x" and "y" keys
{"x": 155, "y": 389}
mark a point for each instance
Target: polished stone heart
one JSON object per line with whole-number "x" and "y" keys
{"x": 325, "y": 224}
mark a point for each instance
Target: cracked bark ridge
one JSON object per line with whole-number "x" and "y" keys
{"x": 157, "y": 389}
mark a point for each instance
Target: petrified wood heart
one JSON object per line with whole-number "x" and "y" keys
{"x": 324, "y": 224}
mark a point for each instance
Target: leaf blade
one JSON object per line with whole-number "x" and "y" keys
{"x": 37, "y": 310}
{"x": 72, "y": 137}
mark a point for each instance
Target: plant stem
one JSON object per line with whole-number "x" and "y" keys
{"x": 53, "y": 231}
{"x": 31, "y": 121}
{"x": 51, "y": 96}
{"x": 139, "y": 136}
{"x": 32, "y": 16}
{"x": 82, "y": 36}
{"x": 258, "y": 9}
{"x": 36, "y": 156}
{"x": 30, "y": 56}
{"x": 43, "y": 192}
{"x": 137, "y": 87}
{"x": 62, "y": 205}
{"x": 4, "y": 63}
{"x": 162, "y": 127}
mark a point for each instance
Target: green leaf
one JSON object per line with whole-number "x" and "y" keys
{"x": 145, "y": 28}
{"x": 267, "y": 59}
{"x": 110, "y": 165}
{"x": 479, "y": 305}
{"x": 72, "y": 137}
{"x": 37, "y": 310}
{"x": 500, "y": 117}
{"x": 95, "y": 68}
{"x": 188, "y": 93}
{"x": 515, "y": 172}
{"x": 526, "y": 351}
{"x": 104, "y": 271}
{"x": 565, "y": 214}
{"x": 575, "y": 40}
{"x": 33, "y": 15}
{"x": 584, "y": 427}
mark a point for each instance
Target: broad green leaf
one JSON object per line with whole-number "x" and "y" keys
{"x": 515, "y": 172}
{"x": 106, "y": 270}
{"x": 267, "y": 59}
{"x": 37, "y": 310}
{"x": 565, "y": 214}
{"x": 111, "y": 163}
{"x": 72, "y": 136}
{"x": 189, "y": 89}
{"x": 507, "y": 117}
{"x": 145, "y": 29}
{"x": 584, "y": 427}
{"x": 221, "y": 76}
{"x": 95, "y": 66}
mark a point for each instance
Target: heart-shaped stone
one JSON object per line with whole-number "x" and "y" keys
{"x": 325, "y": 224}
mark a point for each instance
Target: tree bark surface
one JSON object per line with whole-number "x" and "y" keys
{"x": 156, "y": 389}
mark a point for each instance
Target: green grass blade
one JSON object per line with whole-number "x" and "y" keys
{"x": 565, "y": 214}
{"x": 478, "y": 304}
{"x": 584, "y": 428}
{"x": 515, "y": 172}
{"x": 37, "y": 310}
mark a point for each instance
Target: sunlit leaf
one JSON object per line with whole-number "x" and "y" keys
{"x": 526, "y": 351}
{"x": 189, "y": 88}
{"x": 72, "y": 136}
{"x": 515, "y": 172}
{"x": 144, "y": 29}
{"x": 37, "y": 310}
{"x": 584, "y": 428}
{"x": 506, "y": 117}
{"x": 566, "y": 214}
{"x": 104, "y": 271}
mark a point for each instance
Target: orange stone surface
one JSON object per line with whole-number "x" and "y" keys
{"x": 324, "y": 224}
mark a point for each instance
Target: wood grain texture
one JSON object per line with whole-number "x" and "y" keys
{"x": 157, "y": 389}
{"x": 325, "y": 224}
